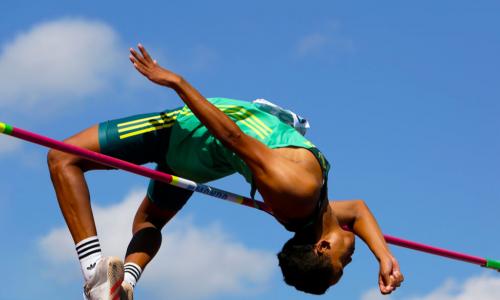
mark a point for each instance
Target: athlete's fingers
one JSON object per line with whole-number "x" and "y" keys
{"x": 388, "y": 282}
{"x": 144, "y": 53}
{"x": 132, "y": 59}
{"x": 137, "y": 57}
{"x": 394, "y": 281}
{"x": 136, "y": 63}
{"x": 384, "y": 288}
{"x": 140, "y": 68}
{"x": 386, "y": 279}
{"x": 399, "y": 277}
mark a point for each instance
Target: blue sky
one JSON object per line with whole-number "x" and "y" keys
{"x": 403, "y": 99}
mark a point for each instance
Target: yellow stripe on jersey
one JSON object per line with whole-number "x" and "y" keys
{"x": 252, "y": 128}
{"x": 247, "y": 121}
{"x": 249, "y": 114}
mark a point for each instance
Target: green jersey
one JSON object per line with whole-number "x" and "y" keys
{"x": 194, "y": 153}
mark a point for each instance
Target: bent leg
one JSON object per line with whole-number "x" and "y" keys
{"x": 67, "y": 174}
{"x": 67, "y": 170}
{"x": 146, "y": 240}
{"x": 160, "y": 205}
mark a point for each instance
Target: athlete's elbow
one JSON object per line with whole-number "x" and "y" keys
{"x": 360, "y": 207}
{"x": 232, "y": 137}
{"x": 360, "y": 203}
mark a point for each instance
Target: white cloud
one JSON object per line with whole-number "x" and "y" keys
{"x": 59, "y": 61}
{"x": 483, "y": 287}
{"x": 205, "y": 256}
{"x": 8, "y": 144}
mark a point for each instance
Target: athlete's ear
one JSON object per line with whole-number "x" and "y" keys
{"x": 323, "y": 246}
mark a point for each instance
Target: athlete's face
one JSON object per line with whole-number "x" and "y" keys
{"x": 339, "y": 247}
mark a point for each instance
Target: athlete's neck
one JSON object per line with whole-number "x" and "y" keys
{"x": 330, "y": 223}
{"x": 321, "y": 230}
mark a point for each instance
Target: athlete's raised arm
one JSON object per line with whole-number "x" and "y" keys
{"x": 356, "y": 215}
{"x": 253, "y": 152}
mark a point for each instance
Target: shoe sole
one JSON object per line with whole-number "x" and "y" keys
{"x": 115, "y": 277}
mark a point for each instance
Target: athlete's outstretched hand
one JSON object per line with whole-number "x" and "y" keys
{"x": 151, "y": 69}
{"x": 390, "y": 276}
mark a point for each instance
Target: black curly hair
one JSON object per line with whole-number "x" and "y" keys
{"x": 307, "y": 270}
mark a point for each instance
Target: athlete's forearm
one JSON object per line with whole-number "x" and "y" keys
{"x": 218, "y": 123}
{"x": 366, "y": 227}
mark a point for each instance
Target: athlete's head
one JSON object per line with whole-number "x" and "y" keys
{"x": 313, "y": 268}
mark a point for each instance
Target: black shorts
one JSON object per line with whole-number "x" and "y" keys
{"x": 141, "y": 139}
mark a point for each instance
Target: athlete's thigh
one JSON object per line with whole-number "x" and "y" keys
{"x": 88, "y": 139}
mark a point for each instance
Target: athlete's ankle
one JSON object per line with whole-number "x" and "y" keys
{"x": 132, "y": 273}
{"x": 89, "y": 254}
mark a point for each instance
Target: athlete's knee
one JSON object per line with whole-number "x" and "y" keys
{"x": 58, "y": 161}
{"x": 149, "y": 224}
{"x": 138, "y": 226}
{"x": 142, "y": 221}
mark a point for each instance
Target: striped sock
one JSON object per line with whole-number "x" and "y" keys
{"x": 132, "y": 273}
{"x": 89, "y": 253}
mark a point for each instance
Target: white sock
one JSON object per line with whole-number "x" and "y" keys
{"x": 132, "y": 273}
{"x": 89, "y": 253}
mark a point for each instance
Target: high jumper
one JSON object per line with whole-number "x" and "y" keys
{"x": 205, "y": 140}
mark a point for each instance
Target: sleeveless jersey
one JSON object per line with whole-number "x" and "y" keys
{"x": 194, "y": 153}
